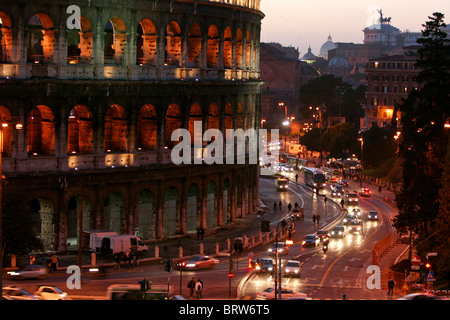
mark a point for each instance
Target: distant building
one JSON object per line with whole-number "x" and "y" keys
{"x": 327, "y": 46}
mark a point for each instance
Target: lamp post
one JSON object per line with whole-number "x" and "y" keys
{"x": 283, "y": 224}
{"x": 361, "y": 166}
{"x": 4, "y": 125}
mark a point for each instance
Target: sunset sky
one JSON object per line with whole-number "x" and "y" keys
{"x": 300, "y": 23}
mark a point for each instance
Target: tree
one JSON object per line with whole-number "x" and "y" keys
{"x": 423, "y": 144}
{"x": 341, "y": 140}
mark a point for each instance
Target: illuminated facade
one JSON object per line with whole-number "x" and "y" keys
{"x": 99, "y": 97}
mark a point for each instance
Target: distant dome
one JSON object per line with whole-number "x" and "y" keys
{"x": 309, "y": 55}
{"x": 339, "y": 63}
{"x": 329, "y": 45}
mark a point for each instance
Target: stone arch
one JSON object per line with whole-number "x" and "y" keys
{"x": 226, "y": 210}
{"x": 7, "y": 131}
{"x": 147, "y": 128}
{"x": 228, "y": 117}
{"x": 79, "y": 42}
{"x": 211, "y": 205}
{"x": 195, "y": 45}
{"x": 248, "y": 49}
{"x": 173, "y": 44}
{"x": 173, "y": 122}
{"x": 240, "y": 116}
{"x": 41, "y": 38}
{"x": 228, "y": 48}
{"x": 213, "y": 47}
{"x": 238, "y": 196}
{"x": 41, "y": 131}
{"x": 193, "y": 208}
{"x": 114, "y": 212}
{"x": 6, "y": 41}
{"x": 74, "y": 207}
{"x": 195, "y": 114}
{"x": 146, "y": 215}
{"x": 115, "y": 134}
{"x": 213, "y": 116}
{"x": 115, "y": 40}
{"x": 43, "y": 214}
{"x": 171, "y": 211}
{"x": 146, "y": 43}
{"x": 80, "y": 130}
{"x": 239, "y": 48}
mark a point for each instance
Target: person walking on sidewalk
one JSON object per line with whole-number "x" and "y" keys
{"x": 274, "y": 207}
{"x": 279, "y": 204}
{"x": 391, "y": 285}
{"x": 191, "y": 286}
{"x": 199, "y": 288}
{"x": 54, "y": 263}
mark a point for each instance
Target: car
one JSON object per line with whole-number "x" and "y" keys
{"x": 337, "y": 190}
{"x": 356, "y": 212}
{"x": 338, "y": 232}
{"x": 355, "y": 226}
{"x": 17, "y": 293}
{"x": 265, "y": 265}
{"x": 422, "y": 296}
{"x": 311, "y": 240}
{"x": 269, "y": 294}
{"x": 32, "y": 271}
{"x": 297, "y": 214}
{"x": 348, "y": 219}
{"x": 293, "y": 268}
{"x": 365, "y": 192}
{"x": 282, "y": 248}
{"x": 372, "y": 215}
{"x": 48, "y": 292}
{"x": 343, "y": 183}
{"x": 351, "y": 198}
{"x": 323, "y": 235}
{"x": 199, "y": 261}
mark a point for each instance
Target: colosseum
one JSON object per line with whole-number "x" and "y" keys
{"x": 90, "y": 93}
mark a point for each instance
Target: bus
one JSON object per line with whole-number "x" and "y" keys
{"x": 332, "y": 175}
{"x": 281, "y": 184}
{"x": 299, "y": 163}
{"x": 314, "y": 177}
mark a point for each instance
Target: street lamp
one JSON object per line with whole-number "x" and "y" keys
{"x": 362, "y": 148}
{"x": 4, "y": 125}
{"x": 282, "y": 224}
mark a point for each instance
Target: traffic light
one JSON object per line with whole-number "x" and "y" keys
{"x": 168, "y": 265}
{"x": 182, "y": 265}
{"x": 145, "y": 285}
{"x": 428, "y": 266}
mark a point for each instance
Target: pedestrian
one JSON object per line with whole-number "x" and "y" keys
{"x": 379, "y": 188}
{"x": 198, "y": 234}
{"x": 325, "y": 199}
{"x": 318, "y": 219}
{"x": 296, "y": 178}
{"x": 125, "y": 260}
{"x": 391, "y": 285}
{"x": 49, "y": 264}
{"x": 199, "y": 288}
{"x": 117, "y": 261}
{"x": 135, "y": 259}
{"x": 296, "y": 204}
{"x": 279, "y": 204}
{"x": 274, "y": 207}
{"x": 54, "y": 263}
{"x": 342, "y": 203}
{"x": 202, "y": 232}
{"x": 130, "y": 260}
{"x": 314, "y": 218}
{"x": 289, "y": 207}
{"x": 32, "y": 259}
{"x": 191, "y": 286}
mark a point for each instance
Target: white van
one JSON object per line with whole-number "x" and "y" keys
{"x": 122, "y": 243}
{"x": 133, "y": 292}
{"x": 95, "y": 238}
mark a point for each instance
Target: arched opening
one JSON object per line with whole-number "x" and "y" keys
{"x": 147, "y": 128}
{"x": 5, "y": 38}
{"x": 195, "y": 114}
{"x": 226, "y": 209}
{"x": 238, "y": 196}
{"x": 173, "y": 122}
{"x": 228, "y": 117}
{"x": 74, "y": 208}
{"x": 228, "y": 48}
{"x": 44, "y": 222}
{"x": 6, "y": 132}
{"x": 41, "y": 39}
{"x": 213, "y": 116}
{"x": 248, "y": 49}
{"x": 114, "y": 213}
{"x": 240, "y": 116}
{"x": 213, "y": 47}
{"x": 41, "y": 131}
{"x": 146, "y": 43}
{"x": 239, "y": 48}
{"x": 195, "y": 45}
{"x": 145, "y": 216}
{"x": 171, "y": 209}
{"x": 211, "y": 205}
{"x": 193, "y": 208}
{"x": 79, "y": 42}
{"x": 115, "y": 135}
{"x": 80, "y": 132}
{"x": 115, "y": 41}
{"x": 173, "y": 44}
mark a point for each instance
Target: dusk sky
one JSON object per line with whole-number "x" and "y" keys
{"x": 300, "y": 23}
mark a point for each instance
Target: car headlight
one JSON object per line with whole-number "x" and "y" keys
{"x": 345, "y": 220}
{"x": 258, "y": 268}
{"x": 287, "y": 270}
{"x": 270, "y": 268}
{"x": 296, "y": 271}
{"x": 270, "y": 250}
{"x": 332, "y": 232}
{"x": 359, "y": 228}
{"x": 340, "y": 232}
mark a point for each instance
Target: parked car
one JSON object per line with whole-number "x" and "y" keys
{"x": 338, "y": 232}
{"x": 311, "y": 240}
{"x": 282, "y": 248}
{"x": 32, "y": 271}
{"x": 293, "y": 268}
{"x": 372, "y": 215}
{"x": 48, "y": 292}
{"x": 365, "y": 192}
{"x": 199, "y": 261}
{"x": 17, "y": 293}
{"x": 269, "y": 294}
{"x": 265, "y": 265}
{"x": 355, "y": 226}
